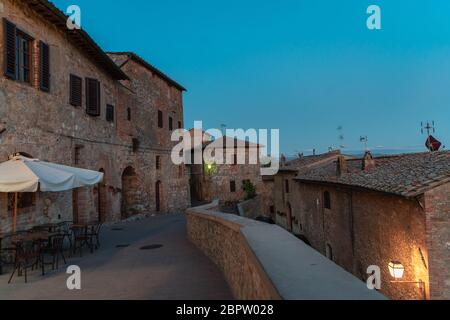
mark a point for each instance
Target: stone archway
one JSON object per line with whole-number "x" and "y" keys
{"x": 129, "y": 193}
{"x": 158, "y": 196}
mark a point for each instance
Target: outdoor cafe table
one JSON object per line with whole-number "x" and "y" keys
{"x": 34, "y": 236}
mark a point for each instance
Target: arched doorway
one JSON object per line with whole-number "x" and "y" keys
{"x": 129, "y": 193}
{"x": 102, "y": 200}
{"x": 289, "y": 218}
{"x": 158, "y": 195}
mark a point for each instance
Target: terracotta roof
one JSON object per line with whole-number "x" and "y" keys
{"x": 305, "y": 163}
{"x": 133, "y": 56}
{"x": 407, "y": 175}
{"x": 79, "y": 38}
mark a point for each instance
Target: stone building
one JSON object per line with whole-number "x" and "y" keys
{"x": 283, "y": 183}
{"x": 64, "y": 100}
{"x": 224, "y": 182}
{"x": 372, "y": 211}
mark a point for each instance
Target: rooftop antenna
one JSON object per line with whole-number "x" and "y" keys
{"x": 341, "y": 137}
{"x": 223, "y": 128}
{"x": 429, "y": 128}
{"x": 365, "y": 140}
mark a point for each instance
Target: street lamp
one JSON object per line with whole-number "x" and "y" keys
{"x": 397, "y": 271}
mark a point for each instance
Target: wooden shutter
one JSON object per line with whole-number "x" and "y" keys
{"x": 92, "y": 97}
{"x": 10, "y": 49}
{"x": 76, "y": 90}
{"x": 44, "y": 50}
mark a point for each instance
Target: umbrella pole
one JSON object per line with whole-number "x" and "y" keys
{"x": 16, "y": 197}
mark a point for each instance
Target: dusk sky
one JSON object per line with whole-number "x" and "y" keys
{"x": 305, "y": 67}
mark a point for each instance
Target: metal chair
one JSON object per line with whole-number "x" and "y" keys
{"x": 80, "y": 239}
{"x": 94, "y": 233}
{"x": 55, "y": 249}
{"x": 26, "y": 257}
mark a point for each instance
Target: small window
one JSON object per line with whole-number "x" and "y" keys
{"x": 326, "y": 200}
{"x": 170, "y": 123}
{"x": 110, "y": 113}
{"x": 76, "y": 90}
{"x": 158, "y": 162}
{"x": 287, "y": 186}
{"x": 180, "y": 125}
{"x": 129, "y": 114}
{"x": 160, "y": 119}
{"x": 23, "y": 53}
{"x": 232, "y": 186}
{"x": 272, "y": 209}
{"x": 77, "y": 154}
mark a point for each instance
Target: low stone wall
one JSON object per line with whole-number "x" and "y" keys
{"x": 264, "y": 262}
{"x": 224, "y": 244}
{"x": 250, "y": 209}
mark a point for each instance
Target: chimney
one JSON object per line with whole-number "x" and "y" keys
{"x": 341, "y": 166}
{"x": 283, "y": 160}
{"x": 368, "y": 162}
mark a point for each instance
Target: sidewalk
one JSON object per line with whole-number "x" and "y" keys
{"x": 178, "y": 270}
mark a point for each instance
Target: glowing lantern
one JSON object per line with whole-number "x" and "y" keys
{"x": 396, "y": 269}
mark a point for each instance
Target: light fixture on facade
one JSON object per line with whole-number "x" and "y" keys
{"x": 397, "y": 271}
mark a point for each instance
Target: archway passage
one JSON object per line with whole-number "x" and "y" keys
{"x": 129, "y": 193}
{"x": 102, "y": 200}
{"x": 158, "y": 195}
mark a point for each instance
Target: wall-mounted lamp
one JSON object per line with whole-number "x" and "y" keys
{"x": 397, "y": 271}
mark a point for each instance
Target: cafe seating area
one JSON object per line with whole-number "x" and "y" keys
{"x": 46, "y": 246}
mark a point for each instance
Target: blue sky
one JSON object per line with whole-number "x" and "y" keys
{"x": 305, "y": 67}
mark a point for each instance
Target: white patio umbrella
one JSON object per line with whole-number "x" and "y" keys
{"x": 21, "y": 174}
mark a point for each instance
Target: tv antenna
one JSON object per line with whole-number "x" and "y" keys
{"x": 428, "y": 127}
{"x": 365, "y": 140}
{"x": 340, "y": 130}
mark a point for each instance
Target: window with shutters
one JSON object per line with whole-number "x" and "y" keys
{"x": 76, "y": 90}
{"x": 92, "y": 97}
{"x": 23, "y": 52}
{"x": 160, "y": 119}
{"x": 44, "y": 51}
{"x": 170, "y": 123}
{"x": 110, "y": 113}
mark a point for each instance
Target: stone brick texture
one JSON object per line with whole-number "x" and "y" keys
{"x": 46, "y": 126}
{"x": 365, "y": 228}
{"x": 225, "y": 245}
{"x": 437, "y": 206}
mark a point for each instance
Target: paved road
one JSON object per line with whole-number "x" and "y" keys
{"x": 178, "y": 270}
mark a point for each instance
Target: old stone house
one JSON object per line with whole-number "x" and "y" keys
{"x": 64, "y": 100}
{"x": 224, "y": 182}
{"x": 372, "y": 211}
{"x": 283, "y": 184}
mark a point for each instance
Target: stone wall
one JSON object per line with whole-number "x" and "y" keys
{"x": 223, "y": 242}
{"x": 437, "y": 207}
{"x": 365, "y": 228}
{"x": 262, "y": 261}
